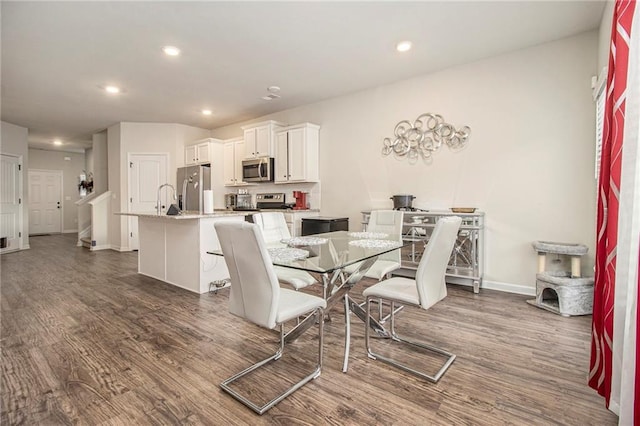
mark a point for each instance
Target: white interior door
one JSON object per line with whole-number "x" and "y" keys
{"x": 146, "y": 173}
{"x": 10, "y": 202}
{"x": 45, "y": 201}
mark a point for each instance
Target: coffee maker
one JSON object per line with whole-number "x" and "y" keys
{"x": 301, "y": 200}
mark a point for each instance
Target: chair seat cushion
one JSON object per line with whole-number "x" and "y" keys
{"x": 294, "y": 277}
{"x": 396, "y": 288}
{"x": 381, "y": 268}
{"x": 294, "y": 304}
{"x": 378, "y": 270}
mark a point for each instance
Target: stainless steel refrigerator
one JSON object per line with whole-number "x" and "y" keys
{"x": 190, "y": 184}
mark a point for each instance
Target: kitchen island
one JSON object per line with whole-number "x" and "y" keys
{"x": 174, "y": 249}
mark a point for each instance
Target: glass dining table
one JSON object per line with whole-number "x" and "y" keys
{"x": 340, "y": 259}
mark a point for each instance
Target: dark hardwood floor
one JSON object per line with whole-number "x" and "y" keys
{"x": 86, "y": 340}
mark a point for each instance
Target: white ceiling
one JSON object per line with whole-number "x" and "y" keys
{"x": 56, "y": 55}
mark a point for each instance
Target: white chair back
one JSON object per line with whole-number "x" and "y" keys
{"x": 255, "y": 291}
{"x": 433, "y": 265}
{"x": 389, "y": 222}
{"x": 273, "y": 225}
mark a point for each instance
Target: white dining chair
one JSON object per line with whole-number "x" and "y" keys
{"x": 274, "y": 229}
{"x": 426, "y": 290}
{"x": 387, "y": 222}
{"x": 257, "y": 297}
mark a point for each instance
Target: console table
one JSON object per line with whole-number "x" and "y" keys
{"x": 467, "y": 258}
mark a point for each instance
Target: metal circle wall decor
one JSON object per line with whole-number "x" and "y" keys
{"x": 424, "y": 136}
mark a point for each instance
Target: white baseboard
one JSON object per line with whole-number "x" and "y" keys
{"x": 101, "y": 247}
{"x": 70, "y": 231}
{"x": 508, "y": 287}
{"x": 120, "y": 249}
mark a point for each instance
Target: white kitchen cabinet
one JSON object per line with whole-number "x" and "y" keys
{"x": 198, "y": 152}
{"x": 297, "y": 154}
{"x": 232, "y": 166}
{"x": 259, "y": 139}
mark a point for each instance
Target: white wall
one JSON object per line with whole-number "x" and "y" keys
{"x": 115, "y": 165}
{"x": 604, "y": 35}
{"x": 88, "y": 161}
{"x": 528, "y": 165}
{"x": 99, "y": 165}
{"x": 71, "y": 164}
{"x": 14, "y": 141}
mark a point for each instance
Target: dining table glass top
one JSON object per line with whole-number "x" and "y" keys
{"x": 327, "y": 252}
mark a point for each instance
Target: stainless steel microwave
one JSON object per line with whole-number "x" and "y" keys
{"x": 258, "y": 170}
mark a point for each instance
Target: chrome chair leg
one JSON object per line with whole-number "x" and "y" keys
{"x": 382, "y": 319}
{"x": 395, "y": 337}
{"x": 261, "y": 409}
{"x": 347, "y": 333}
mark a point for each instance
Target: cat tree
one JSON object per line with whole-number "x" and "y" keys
{"x": 563, "y": 292}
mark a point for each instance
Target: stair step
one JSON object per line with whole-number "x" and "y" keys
{"x": 86, "y": 242}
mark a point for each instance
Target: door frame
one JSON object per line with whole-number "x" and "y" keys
{"x": 61, "y": 174}
{"x": 166, "y": 157}
{"x": 21, "y": 222}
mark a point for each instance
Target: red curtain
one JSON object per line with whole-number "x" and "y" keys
{"x": 608, "y": 191}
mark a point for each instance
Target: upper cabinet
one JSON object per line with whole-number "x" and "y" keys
{"x": 297, "y": 154}
{"x": 259, "y": 139}
{"x": 232, "y": 167}
{"x": 198, "y": 152}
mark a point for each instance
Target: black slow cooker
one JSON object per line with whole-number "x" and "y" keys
{"x": 402, "y": 201}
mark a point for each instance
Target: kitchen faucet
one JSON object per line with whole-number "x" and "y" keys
{"x": 158, "y": 202}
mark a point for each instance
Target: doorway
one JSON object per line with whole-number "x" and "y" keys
{"x": 45, "y": 202}
{"x": 10, "y": 203}
{"x": 146, "y": 173}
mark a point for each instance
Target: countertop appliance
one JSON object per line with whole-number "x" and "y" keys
{"x": 321, "y": 224}
{"x": 243, "y": 202}
{"x": 191, "y": 182}
{"x": 272, "y": 200}
{"x": 258, "y": 170}
{"x": 301, "y": 200}
{"x": 402, "y": 201}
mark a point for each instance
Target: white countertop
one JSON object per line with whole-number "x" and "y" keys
{"x": 184, "y": 216}
{"x": 216, "y": 213}
{"x": 287, "y": 211}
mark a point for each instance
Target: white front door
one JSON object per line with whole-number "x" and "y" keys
{"x": 10, "y": 203}
{"x": 146, "y": 173}
{"x": 45, "y": 201}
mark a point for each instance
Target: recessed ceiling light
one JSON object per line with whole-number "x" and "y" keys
{"x": 403, "y": 46}
{"x": 271, "y": 97}
{"x": 171, "y": 50}
{"x": 273, "y": 89}
{"x": 206, "y": 112}
{"x": 57, "y": 142}
{"x": 112, "y": 89}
